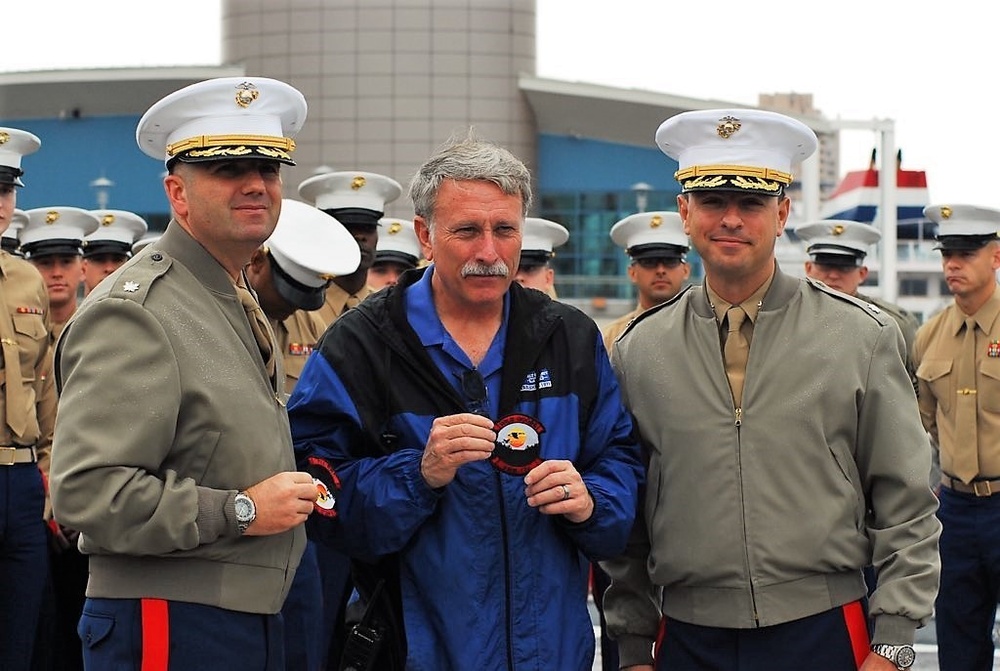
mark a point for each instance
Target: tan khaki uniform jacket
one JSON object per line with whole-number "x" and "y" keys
{"x": 166, "y": 411}
{"x": 25, "y": 306}
{"x": 296, "y": 338}
{"x": 336, "y": 302}
{"x": 938, "y": 342}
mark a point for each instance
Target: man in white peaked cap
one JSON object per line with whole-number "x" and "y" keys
{"x": 174, "y": 457}
{"x": 107, "y": 248}
{"x": 52, "y": 241}
{"x": 801, "y": 467}
{"x": 837, "y": 249}
{"x": 29, "y": 404}
{"x": 957, "y": 353}
{"x": 292, "y": 271}
{"x": 357, "y": 200}
{"x": 656, "y": 245}
{"x": 539, "y": 239}
{"x": 397, "y": 251}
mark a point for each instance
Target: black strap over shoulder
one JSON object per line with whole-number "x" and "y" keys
{"x": 378, "y": 641}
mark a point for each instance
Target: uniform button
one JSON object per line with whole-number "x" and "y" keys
{"x": 156, "y": 256}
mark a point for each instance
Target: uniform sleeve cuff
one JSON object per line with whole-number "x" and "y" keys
{"x": 634, "y": 650}
{"x": 216, "y": 514}
{"x": 894, "y": 630}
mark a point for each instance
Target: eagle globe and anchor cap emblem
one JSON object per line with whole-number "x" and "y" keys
{"x": 518, "y": 444}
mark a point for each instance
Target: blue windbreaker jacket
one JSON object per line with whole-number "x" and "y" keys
{"x": 484, "y": 581}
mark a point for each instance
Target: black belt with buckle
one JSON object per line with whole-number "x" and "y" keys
{"x": 17, "y": 454}
{"x": 977, "y": 487}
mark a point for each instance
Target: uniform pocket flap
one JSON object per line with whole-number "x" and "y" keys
{"x": 94, "y": 628}
{"x": 934, "y": 369}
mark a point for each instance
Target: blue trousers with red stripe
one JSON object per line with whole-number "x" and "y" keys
{"x": 834, "y": 640}
{"x": 970, "y": 580}
{"x": 157, "y": 635}
{"x": 24, "y": 562}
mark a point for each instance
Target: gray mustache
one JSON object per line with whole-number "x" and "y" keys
{"x": 498, "y": 269}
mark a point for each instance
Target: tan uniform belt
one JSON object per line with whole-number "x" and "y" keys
{"x": 12, "y": 454}
{"x": 977, "y": 487}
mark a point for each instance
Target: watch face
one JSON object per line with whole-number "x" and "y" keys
{"x": 905, "y": 657}
{"x": 244, "y": 509}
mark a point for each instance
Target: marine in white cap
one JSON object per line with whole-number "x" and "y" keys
{"x": 52, "y": 240}
{"x": 27, "y": 415}
{"x": 107, "y": 248}
{"x": 786, "y": 447}
{"x": 397, "y": 251}
{"x": 837, "y": 249}
{"x": 291, "y": 272}
{"x": 657, "y": 247}
{"x": 174, "y": 457}
{"x": 957, "y": 353}
{"x": 357, "y": 200}
{"x": 539, "y": 239}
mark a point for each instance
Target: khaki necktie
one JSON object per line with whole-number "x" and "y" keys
{"x": 258, "y": 325}
{"x": 966, "y": 458}
{"x": 16, "y": 396}
{"x": 736, "y": 351}
{"x": 352, "y": 301}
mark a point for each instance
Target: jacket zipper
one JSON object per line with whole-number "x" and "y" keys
{"x": 738, "y": 423}
{"x": 506, "y": 579}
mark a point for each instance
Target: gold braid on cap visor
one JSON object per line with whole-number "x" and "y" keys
{"x": 233, "y": 145}
{"x": 740, "y": 176}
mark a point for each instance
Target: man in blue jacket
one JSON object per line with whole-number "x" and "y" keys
{"x": 476, "y": 434}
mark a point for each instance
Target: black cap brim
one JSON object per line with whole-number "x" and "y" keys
{"x": 35, "y": 250}
{"x": 657, "y": 250}
{"x": 9, "y": 175}
{"x": 964, "y": 243}
{"x": 393, "y": 256}
{"x": 842, "y": 260}
{"x": 96, "y": 247}
{"x": 296, "y": 293}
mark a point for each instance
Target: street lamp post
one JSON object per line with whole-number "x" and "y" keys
{"x": 102, "y": 186}
{"x": 641, "y": 190}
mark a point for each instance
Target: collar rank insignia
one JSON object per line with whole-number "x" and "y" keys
{"x": 130, "y": 286}
{"x": 518, "y": 444}
{"x": 993, "y": 349}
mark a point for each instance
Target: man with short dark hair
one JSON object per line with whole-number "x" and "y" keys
{"x": 957, "y": 353}
{"x": 173, "y": 456}
{"x": 107, "y": 248}
{"x": 782, "y": 434}
{"x": 26, "y": 424}
{"x": 656, "y": 244}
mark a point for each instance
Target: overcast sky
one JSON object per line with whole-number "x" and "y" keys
{"x": 931, "y": 67}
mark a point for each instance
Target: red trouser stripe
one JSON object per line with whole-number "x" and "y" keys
{"x": 155, "y": 635}
{"x": 857, "y": 630}
{"x": 661, "y": 633}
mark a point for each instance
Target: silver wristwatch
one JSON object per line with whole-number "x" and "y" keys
{"x": 900, "y": 655}
{"x": 246, "y": 511}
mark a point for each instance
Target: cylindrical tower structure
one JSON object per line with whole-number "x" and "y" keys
{"x": 388, "y": 81}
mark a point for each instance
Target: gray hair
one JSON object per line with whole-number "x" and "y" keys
{"x": 469, "y": 159}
